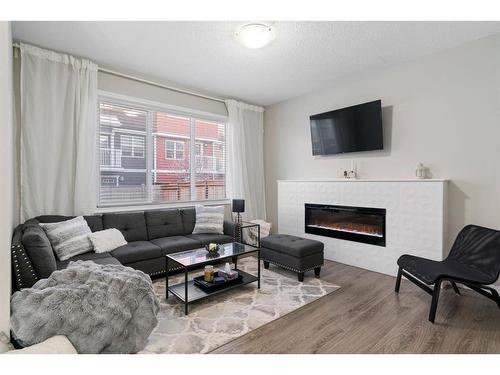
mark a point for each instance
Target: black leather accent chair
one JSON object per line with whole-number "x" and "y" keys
{"x": 474, "y": 261}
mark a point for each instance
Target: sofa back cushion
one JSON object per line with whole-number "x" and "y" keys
{"x": 132, "y": 225}
{"x": 39, "y": 250}
{"x": 188, "y": 216}
{"x": 94, "y": 221}
{"x": 164, "y": 223}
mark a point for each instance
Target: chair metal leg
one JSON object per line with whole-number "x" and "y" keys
{"x": 398, "y": 280}
{"x": 455, "y": 287}
{"x": 495, "y": 296}
{"x": 435, "y": 299}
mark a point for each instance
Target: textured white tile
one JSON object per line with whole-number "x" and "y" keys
{"x": 414, "y": 218}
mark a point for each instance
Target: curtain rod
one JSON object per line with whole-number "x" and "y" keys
{"x": 151, "y": 83}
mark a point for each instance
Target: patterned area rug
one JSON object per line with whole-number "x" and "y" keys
{"x": 226, "y": 316}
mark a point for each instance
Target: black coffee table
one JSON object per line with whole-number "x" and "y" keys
{"x": 191, "y": 260}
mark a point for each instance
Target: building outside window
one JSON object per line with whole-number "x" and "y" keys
{"x": 151, "y": 155}
{"x": 174, "y": 150}
{"x": 132, "y": 146}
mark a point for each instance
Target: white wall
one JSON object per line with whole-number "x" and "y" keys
{"x": 442, "y": 111}
{"x": 6, "y": 187}
{"x": 123, "y": 86}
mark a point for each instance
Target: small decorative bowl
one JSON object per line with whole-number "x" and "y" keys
{"x": 212, "y": 249}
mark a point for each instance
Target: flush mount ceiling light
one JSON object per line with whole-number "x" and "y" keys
{"x": 255, "y": 35}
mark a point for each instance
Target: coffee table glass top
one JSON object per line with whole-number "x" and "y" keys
{"x": 197, "y": 256}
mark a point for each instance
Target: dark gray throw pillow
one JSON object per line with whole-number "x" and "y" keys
{"x": 39, "y": 250}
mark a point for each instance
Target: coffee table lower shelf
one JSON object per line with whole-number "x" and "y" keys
{"x": 196, "y": 294}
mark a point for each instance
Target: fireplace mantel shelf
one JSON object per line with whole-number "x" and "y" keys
{"x": 366, "y": 180}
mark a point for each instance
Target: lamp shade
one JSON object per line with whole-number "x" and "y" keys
{"x": 238, "y": 205}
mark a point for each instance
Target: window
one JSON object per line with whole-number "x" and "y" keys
{"x": 132, "y": 146}
{"x": 150, "y": 155}
{"x": 104, "y": 141}
{"x": 174, "y": 150}
{"x": 210, "y": 160}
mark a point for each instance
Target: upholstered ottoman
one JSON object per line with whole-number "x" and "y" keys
{"x": 293, "y": 253}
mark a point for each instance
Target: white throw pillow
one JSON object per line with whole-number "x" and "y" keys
{"x": 107, "y": 240}
{"x": 69, "y": 238}
{"x": 209, "y": 219}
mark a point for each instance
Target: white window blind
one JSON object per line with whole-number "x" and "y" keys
{"x": 210, "y": 159}
{"x": 147, "y": 156}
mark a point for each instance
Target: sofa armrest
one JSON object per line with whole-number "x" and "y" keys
{"x": 23, "y": 273}
{"x": 229, "y": 228}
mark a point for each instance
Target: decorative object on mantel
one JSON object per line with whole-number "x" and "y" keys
{"x": 351, "y": 172}
{"x": 420, "y": 172}
{"x": 238, "y": 208}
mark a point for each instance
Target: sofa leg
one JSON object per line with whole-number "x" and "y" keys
{"x": 317, "y": 271}
{"x": 266, "y": 265}
{"x": 301, "y": 276}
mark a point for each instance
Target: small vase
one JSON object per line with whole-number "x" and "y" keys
{"x": 420, "y": 171}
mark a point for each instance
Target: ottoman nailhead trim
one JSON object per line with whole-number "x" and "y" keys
{"x": 290, "y": 268}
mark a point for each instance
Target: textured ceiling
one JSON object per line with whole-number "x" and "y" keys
{"x": 305, "y": 56}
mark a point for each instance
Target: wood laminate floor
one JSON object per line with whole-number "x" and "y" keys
{"x": 367, "y": 316}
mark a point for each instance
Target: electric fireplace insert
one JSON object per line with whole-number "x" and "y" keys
{"x": 360, "y": 224}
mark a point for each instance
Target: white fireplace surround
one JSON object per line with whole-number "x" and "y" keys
{"x": 415, "y": 217}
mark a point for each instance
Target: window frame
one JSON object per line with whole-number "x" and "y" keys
{"x": 133, "y": 146}
{"x": 175, "y": 150}
{"x": 150, "y": 107}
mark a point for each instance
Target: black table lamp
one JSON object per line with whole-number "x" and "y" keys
{"x": 238, "y": 207}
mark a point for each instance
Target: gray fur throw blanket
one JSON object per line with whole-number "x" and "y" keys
{"x": 100, "y": 308}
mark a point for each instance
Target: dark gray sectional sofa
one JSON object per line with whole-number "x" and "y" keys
{"x": 150, "y": 236}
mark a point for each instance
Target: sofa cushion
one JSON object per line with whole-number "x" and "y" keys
{"x": 188, "y": 216}
{"x": 69, "y": 238}
{"x": 136, "y": 251}
{"x": 94, "y": 221}
{"x": 39, "y": 250}
{"x": 132, "y": 225}
{"x": 206, "y": 238}
{"x": 152, "y": 267}
{"x": 164, "y": 223}
{"x": 174, "y": 244}
{"x": 95, "y": 257}
{"x": 292, "y": 245}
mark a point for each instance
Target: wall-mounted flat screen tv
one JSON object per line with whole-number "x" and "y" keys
{"x": 350, "y": 129}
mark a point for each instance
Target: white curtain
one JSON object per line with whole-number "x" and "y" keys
{"x": 58, "y": 133}
{"x": 245, "y": 160}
